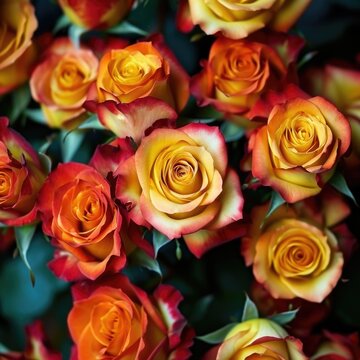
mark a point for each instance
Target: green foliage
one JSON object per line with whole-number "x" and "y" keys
{"x": 217, "y": 336}
{"x": 250, "y": 310}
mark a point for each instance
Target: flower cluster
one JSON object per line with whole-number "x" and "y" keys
{"x": 152, "y": 179}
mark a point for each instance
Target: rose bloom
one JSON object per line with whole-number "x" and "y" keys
{"x": 116, "y": 320}
{"x": 338, "y": 347}
{"x": 78, "y": 212}
{"x": 60, "y": 83}
{"x": 339, "y": 83}
{"x": 140, "y": 70}
{"x": 21, "y": 177}
{"x": 236, "y": 74}
{"x": 237, "y": 19}
{"x": 96, "y": 14}
{"x": 256, "y": 339}
{"x": 178, "y": 181}
{"x": 35, "y": 346}
{"x": 293, "y": 251}
{"x": 17, "y": 55}
{"x": 297, "y": 150}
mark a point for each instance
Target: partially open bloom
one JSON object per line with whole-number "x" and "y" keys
{"x": 21, "y": 177}
{"x": 60, "y": 83}
{"x": 338, "y": 347}
{"x": 256, "y": 339}
{"x": 179, "y": 182}
{"x": 18, "y": 24}
{"x": 96, "y": 14}
{"x": 36, "y": 346}
{"x": 237, "y": 73}
{"x": 293, "y": 253}
{"x": 140, "y": 70}
{"x": 299, "y": 147}
{"x": 237, "y": 19}
{"x": 116, "y": 320}
{"x": 78, "y": 212}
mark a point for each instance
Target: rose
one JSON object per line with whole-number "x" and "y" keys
{"x": 257, "y": 338}
{"x": 236, "y": 73}
{"x": 237, "y": 19}
{"x": 178, "y": 181}
{"x": 297, "y": 151}
{"x": 140, "y": 70}
{"x": 115, "y": 319}
{"x": 292, "y": 252}
{"x": 21, "y": 177}
{"x": 78, "y": 212}
{"x": 18, "y": 23}
{"x": 338, "y": 347}
{"x": 36, "y": 346}
{"x": 99, "y": 14}
{"x": 60, "y": 83}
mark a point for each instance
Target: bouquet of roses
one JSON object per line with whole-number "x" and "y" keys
{"x": 178, "y": 179}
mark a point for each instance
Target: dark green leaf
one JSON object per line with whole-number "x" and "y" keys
{"x": 231, "y": 131}
{"x": 339, "y": 183}
{"x": 3, "y": 349}
{"x": 45, "y": 162}
{"x": 70, "y": 143}
{"x": 36, "y": 115}
{"x": 250, "y": 310}
{"x": 24, "y": 235}
{"x": 20, "y": 100}
{"x": 159, "y": 240}
{"x": 126, "y": 28}
{"x": 139, "y": 257}
{"x": 92, "y": 122}
{"x": 275, "y": 202}
{"x": 75, "y": 33}
{"x": 306, "y": 58}
{"x": 284, "y": 317}
{"x": 217, "y": 336}
{"x": 62, "y": 23}
{"x": 178, "y": 251}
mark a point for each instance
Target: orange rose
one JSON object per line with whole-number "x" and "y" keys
{"x": 299, "y": 147}
{"x": 61, "y": 83}
{"x": 99, "y": 14}
{"x": 140, "y": 70}
{"x": 179, "y": 182}
{"x": 78, "y": 213}
{"x": 256, "y": 339}
{"x": 117, "y": 320}
{"x": 21, "y": 177}
{"x": 293, "y": 252}
{"x": 17, "y": 55}
{"x": 237, "y": 19}
{"x": 235, "y": 75}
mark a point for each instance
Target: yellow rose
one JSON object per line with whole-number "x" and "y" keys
{"x": 17, "y": 54}
{"x": 258, "y": 339}
{"x": 237, "y": 19}
{"x": 140, "y": 70}
{"x": 61, "y": 83}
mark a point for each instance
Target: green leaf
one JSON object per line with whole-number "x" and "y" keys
{"x": 45, "y": 162}
{"x": 306, "y": 58}
{"x": 217, "y": 336}
{"x": 23, "y": 236}
{"x": 70, "y": 143}
{"x": 75, "y": 33}
{"x": 339, "y": 183}
{"x": 178, "y": 251}
{"x": 159, "y": 240}
{"x": 36, "y": 115}
{"x": 141, "y": 258}
{"x": 20, "y": 100}
{"x": 231, "y": 131}
{"x": 62, "y": 23}
{"x": 284, "y": 317}
{"x": 4, "y": 349}
{"x": 250, "y": 310}
{"x": 276, "y": 201}
{"x": 126, "y": 28}
{"x": 92, "y": 122}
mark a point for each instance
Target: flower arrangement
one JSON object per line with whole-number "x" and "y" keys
{"x": 178, "y": 180}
